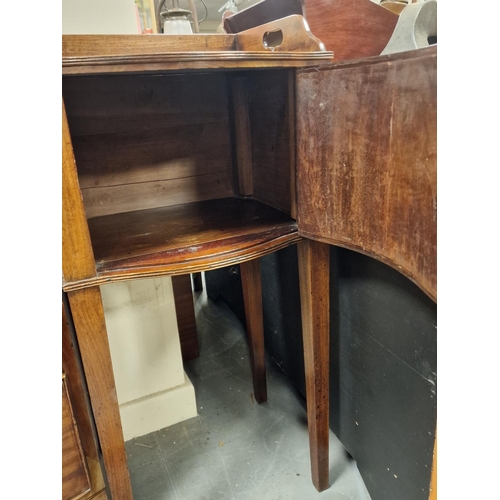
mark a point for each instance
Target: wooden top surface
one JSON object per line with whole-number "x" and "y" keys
{"x": 291, "y": 45}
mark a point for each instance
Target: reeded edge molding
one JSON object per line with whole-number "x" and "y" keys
{"x": 192, "y": 266}
{"x": 193, "y": 56}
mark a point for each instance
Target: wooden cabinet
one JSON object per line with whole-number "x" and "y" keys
{"x": 198, "y": 152}
{"x": 81, "y": 471}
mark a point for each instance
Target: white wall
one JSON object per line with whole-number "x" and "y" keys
{"x": 99, "y": 17}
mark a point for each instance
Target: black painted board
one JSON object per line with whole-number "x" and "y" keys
{"x": 383, "y": 361}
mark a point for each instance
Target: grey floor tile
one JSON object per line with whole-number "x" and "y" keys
{"x": 235, "y": 449}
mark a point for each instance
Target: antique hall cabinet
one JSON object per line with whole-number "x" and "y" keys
{"x": 201, "y": 151}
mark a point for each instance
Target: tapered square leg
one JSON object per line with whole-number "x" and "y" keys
{"x": 314, "y": 274}
{"x": 252, "y": 296}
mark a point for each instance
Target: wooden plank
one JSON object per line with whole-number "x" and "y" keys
{"x": 252, "y": 297}
{"x": 314, "y": 275}
{"x": 352, "y": 29}
{"x": 367, "y": 175}
{"x": 74, "y": 380}
{"x": 186, "y": 320}
{"x": 124, "y": 45}
{"x": 271, "y": 119}
{"x": 75, "y": 475}
{"x": 164, "y": 154}
{"x": 185, "y": 239}
{"x": 108, "y": 104}
{"x": 88, "y": 316}
{"x": 77, "y": 255}
{"x": 171, "y": 229}
{"x": 104, "y": 201}
{"x": 241, "y": 126}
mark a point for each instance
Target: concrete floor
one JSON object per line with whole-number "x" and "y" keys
{"x": 235, "y": 449}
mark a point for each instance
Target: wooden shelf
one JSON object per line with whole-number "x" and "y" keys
{"x": 185, "y": 238}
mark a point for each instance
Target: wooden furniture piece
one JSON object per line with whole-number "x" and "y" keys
{"x": 179, "y": 157}
{"x": 81, "y": 471}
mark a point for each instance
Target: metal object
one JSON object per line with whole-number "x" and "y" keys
{"x": 176, "y": 14}
{"x": 416, "y": 28}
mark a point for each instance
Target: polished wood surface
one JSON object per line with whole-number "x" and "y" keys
{"x": 186, "y": 319}
{"x": 88, "y": 317}
{"x": 185, "y": 238}
{"x": 75, "y": 380}
{"x": 252, "y": 294}
{"x": 366, "y": 142}
{"x": 291, "y": 34}
{"x": 314, "y": 274}
{"x": 261, "y": 13}
{"x": 100, "y": 54}
{"x": 352, "y": 29}
{"x": 77, "y": 256}
{"x": 75, "y": 475}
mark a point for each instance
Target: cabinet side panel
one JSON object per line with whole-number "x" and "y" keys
{"x": 272, "y": 130}
{"x": 77, "y": 255}
{"x": 366, "y": 146}
{"x": 75, "y": 476}
{"x": 147, "y": 141}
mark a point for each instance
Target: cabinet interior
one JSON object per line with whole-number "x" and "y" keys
{"x": 172, "y": 162}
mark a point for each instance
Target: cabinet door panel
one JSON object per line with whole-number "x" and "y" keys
{"x": 366, "y": 159}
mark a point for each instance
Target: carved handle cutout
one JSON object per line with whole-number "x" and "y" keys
{"x": 272, "y": 39}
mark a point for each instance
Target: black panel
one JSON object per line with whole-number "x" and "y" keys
{"x": 383, "y": 361}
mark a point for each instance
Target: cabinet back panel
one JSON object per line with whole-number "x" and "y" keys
{"x": 149, "y": 141}
{"x": 272, "y": 129}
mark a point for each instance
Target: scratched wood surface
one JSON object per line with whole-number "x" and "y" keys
{"x": 186, "y": 238}
{"x": 366, "y": 142}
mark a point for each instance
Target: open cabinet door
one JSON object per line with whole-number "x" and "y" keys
{"x": 366, "y": 159}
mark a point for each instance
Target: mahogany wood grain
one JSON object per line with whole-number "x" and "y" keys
{"x": 77, "y": 256}
{"x": 252, "y": 297}
{"x": 75, "y": 381}
{"x": 186, "y": 320}
{"x": 261, "y": 13}
{"x": 314, "y": 275}
{"x": 350, "y": 28}
{"x": 75, "y": 475}
{"x": 126, "y": 45}
{"x": 185, "y": 238}
{"x": 102, "y": 54}
{"x": 272, "y": 128}
{"x": 241, "y": 125}
{"x": 292, "y": 35}
{"x": 88, "y": 317}
{"x": 367, "y": 175}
